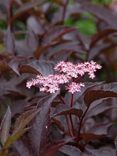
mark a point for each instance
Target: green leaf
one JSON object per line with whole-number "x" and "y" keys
{"x": 102, "y": 1}
{"x": 3, "y": 24}
{"x": 69, "y": 22}
{"x": 14, "y": 137}
{"x": 4, "y": 152}
{"x": 87, "y": 27}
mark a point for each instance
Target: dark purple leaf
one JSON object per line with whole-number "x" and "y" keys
{"x": 28, "y": 69}
{"x": 99, "y": 106}
{"x": 37, "y": 67}
{"x": 31, "y": 40}
{"x": 22, "y": 149}
{"x": 99, "y": 129}
{"x": 70, "y": 47}
{"x": 10, "y": 41}
{"x": 99, "y": 49}
{"x": 93, "y": 95}
{"x": 104, "y": 151}
{"x": 34, "y": 28}
{"x": 55, "y": 34}
{"x": 101, "y": 35}
{"x": 5, "y": 126}
{"x": 87, "y": 137}
{"x": 34, "y": 25}
{"x": 102, "y": 13}
{"x": 65, "y": 110}
{"x": 58, "y": 124}
{"x": 14, "y": 65}
{"x": 51, "y": 151}
{"x": 63, "y": 48}
{"x": 15, "y": 94}
{"x": 39, "y": 125}
{"x": 116, "y": 144}
{"x": 26, "y": 7}
{"x": 70, "y": 150}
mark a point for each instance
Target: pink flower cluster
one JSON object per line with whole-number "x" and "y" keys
{"x": 74, "y": 71}
{"x": 67, "y": 71}
{"x": 75, "y": 87}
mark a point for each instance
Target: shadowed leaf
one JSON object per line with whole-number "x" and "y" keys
{"x": 5, "y": 126}
{"x": 101, "y": 35}
{"x": 99, "y": 106}
{"x": 51, "y": 151}
{"x": 90, "y": 136}
{"x": 10, "y": 41}
{"x": 93, "y": 95}
{"x": 70, "y": 150}
{"x": 65, "y": 110}
{"x": 102, "y": 13}
{"x": 39, "y": 125}
{"x": 22, "y": 148}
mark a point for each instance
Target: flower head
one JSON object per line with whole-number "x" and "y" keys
{"x": 48, "y": 83}
{"x": 67, "y": 72}
{"x": 74, "y": 87}
{"x": 67, "y": 68}
{"x": 90, "y": 68}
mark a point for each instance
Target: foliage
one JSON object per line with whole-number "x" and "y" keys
{"x": 102, "y": 1}
{"x": 35, "y": 36}
{"x": 86, "y": 24}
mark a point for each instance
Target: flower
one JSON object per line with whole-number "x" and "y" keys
{"x": 74, "y": 87}
{"x": 74, "y": 71}
{"x": 90, "y": 68}
{"x": 66, "y": 73}
{"x": 67, "y": 68}
{"x": 48, "y": 83}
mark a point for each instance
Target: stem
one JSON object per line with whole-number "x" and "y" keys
{"x": 67, "y": 118}
{"x": 70, "y": 116}
{"x": 62, "y": 100}
{"x": 81, "y": 121}
{"x": 64, "y": 10}
{"x": 72, "y": 98}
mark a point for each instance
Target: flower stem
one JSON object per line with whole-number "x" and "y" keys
{"x": 70, "y": 116}
{"x": 81, "y": 120}
{"x": 67, "y": 118}
{"x": 72, "y": 99}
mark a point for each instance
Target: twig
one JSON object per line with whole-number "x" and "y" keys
{"x": 64, "y": 10}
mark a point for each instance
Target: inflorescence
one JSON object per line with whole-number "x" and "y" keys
{"x": 67, "y": 73}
